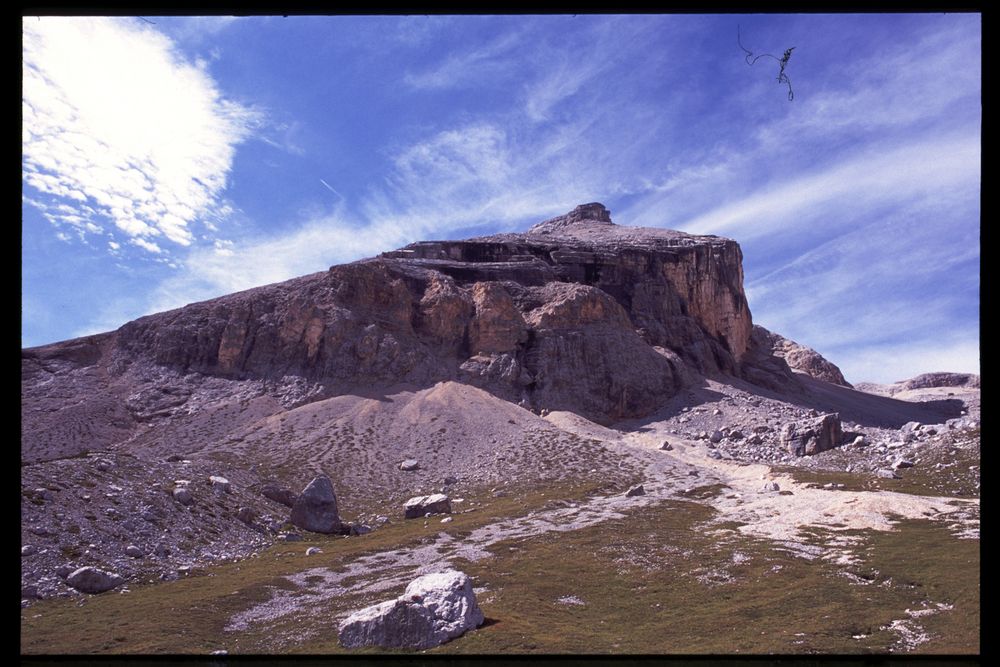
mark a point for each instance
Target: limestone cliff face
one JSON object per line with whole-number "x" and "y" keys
{"x": 681, "y": 292}
{"x": 577, "y": 313}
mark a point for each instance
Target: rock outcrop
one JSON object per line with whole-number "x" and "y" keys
{"x": 434, "y": 609}
{"x": 928, "y": 380}
{"x": 577, "y": 313}
{"x": 958, "y": 381}
{"x": 315, "y": 509}
{"x": 800, "y": 358}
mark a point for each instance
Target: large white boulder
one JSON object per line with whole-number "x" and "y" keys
{"x": 434, "y": 609}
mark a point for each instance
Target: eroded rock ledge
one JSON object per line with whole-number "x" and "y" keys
{"x": 577, "y": 313}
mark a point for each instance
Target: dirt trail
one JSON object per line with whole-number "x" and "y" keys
{"x": 668, "y": 475}
{"x": 766, "y": 512}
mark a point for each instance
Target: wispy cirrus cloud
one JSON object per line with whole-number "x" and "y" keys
{"x": 481, "y": 65}
{"x": 860, "y": 179}
{"x": 119, "y": 128}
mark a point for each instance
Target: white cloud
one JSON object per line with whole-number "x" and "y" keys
{"x": 861, "y": 180}
{"x": 146, "y": 245}
{"x": 482, "y": 65}
{"x": 115, "y": 117}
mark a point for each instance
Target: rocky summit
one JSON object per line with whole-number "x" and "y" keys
{"x": 563, "y": 413}
{"x": 577, "y": 313}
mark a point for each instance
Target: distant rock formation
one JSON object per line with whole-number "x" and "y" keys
{"x": 963, "y": 381}
{"x": 927, "y": 380}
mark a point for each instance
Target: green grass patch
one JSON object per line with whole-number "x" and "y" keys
{"x": 190, "y": 615}
{"x": 649, "y": 588}
{"x": 655, "y": 581}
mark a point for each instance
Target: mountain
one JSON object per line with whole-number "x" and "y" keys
{"x": 576, "y": 314}
{"x": 541, "y": 371}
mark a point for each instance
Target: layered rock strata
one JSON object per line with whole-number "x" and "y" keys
{"x": 577, "y": 313}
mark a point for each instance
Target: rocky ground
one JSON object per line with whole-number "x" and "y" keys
{"x": 115, "y": 510}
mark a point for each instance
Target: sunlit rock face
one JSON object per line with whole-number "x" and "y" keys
{"x": 577, "y": 313}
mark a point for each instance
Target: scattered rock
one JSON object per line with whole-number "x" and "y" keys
{"x": 450, "y": 479}
{"x": 219, "y": 484}
{"x": 279, "y": 494}
{"x": 570, "y": 599}
{"x": 289, "y": 537}
{"x": 812, "y": 436}
{"x": 885, "y": 473}
{"x": 770, "y": 486}
{"x": 635, "y": 491}
{"x": 92, "y": 580}
{"x": 183, "y": 495}
{"x": 716, "y": 437}
{"x": 419, "y": 506}
{"x": 64, "y": 571}
{"x": 409, "y": 464}
{"x": 902, "y": 463}
{"x": 316, "y": 509}
{"x": 174, "y": 458}
{"x": 910, "y": 427}
{"x": 161, "y": 550}
{"x": 133, "y": 551}
{"x": 714, "y": 454}
{"x": 361, "y": 528}
{"x": 29, "y": 550}
{"x": 666, "y": 446}
{"x": 447, "y": 519}
{"x": 434, "y": 609}
{"x": 30, "y": 592}
{"x": 246, "y": 515}
{"x": 103, "y": 465}
{"x": 312, "y": 551}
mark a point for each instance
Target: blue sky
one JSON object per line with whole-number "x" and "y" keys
{"x": 181, "y": 158}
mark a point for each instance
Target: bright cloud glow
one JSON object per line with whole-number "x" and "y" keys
{"x": 119, "y": 126}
